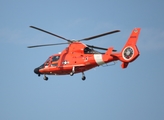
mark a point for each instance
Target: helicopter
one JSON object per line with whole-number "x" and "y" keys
{"x": 79, "y": 57}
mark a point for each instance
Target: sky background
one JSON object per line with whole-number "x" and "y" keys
{"x": 108, "y": 93}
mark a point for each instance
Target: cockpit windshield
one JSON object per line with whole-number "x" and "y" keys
{"x": 42, "y": 66}
{"x": 53, "y": 61}
{"x": 47, "y": 62}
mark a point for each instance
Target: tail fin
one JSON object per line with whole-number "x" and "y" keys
{"x": 130, "y": 51}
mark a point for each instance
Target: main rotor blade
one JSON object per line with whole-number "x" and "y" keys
{"x": 101, "y": 48}
{"x": 93, "y": 37}
{"x": 50, "y": 33}
{"x": 46, "y": 45}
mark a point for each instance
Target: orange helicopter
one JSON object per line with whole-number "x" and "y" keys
{"x": 79, "y": 57}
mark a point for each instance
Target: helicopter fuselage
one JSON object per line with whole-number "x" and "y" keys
{"x": 76, "y": 58}
{"x": 79, "y": 57}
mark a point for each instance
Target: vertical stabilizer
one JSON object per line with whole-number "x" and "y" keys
{"x": 130, "y": 51}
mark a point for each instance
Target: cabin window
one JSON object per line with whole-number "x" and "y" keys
{"x": 88, "y": 50}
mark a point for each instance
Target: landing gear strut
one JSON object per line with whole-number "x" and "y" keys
{"x": 71, "y": 74}
{"x": 45, "y": 77}
{"x": 73, "y": 71}
{"x": 83, "y": 76}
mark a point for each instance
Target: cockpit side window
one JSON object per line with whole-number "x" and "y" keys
{"x": 55, "y": 58}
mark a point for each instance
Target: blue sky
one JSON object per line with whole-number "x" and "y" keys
{"x": 109, "y": 93}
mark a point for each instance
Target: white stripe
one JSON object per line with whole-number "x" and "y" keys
{"x": 98, "y": 59}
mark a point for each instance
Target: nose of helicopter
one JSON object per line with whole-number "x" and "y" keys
{"x": 36, "y": 71}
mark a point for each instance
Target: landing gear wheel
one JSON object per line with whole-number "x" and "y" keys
{"x": 45, "y": 78}
{"x": 83, "y": 78}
